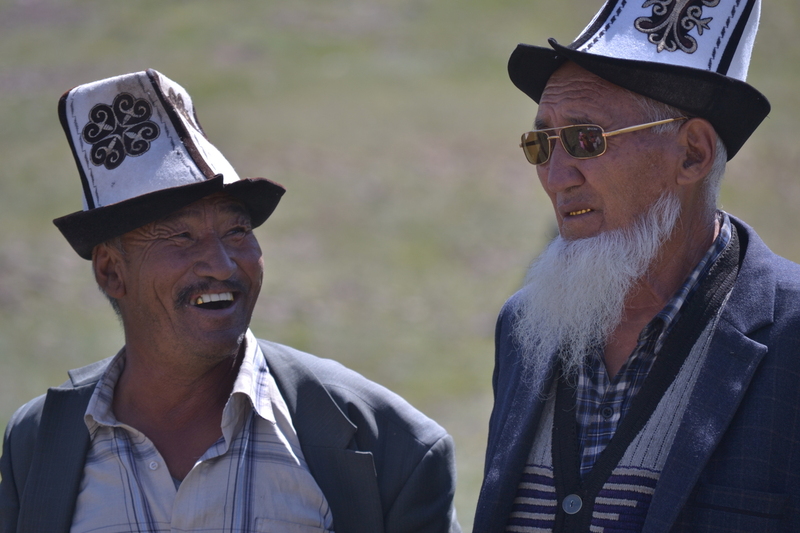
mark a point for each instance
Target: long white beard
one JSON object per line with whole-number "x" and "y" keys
{"x": 575, "y": 291}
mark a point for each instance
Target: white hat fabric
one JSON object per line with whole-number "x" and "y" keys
{"x": 135, "y": 134}
{"x": 141, "y": 154}
{"x": 707, "y": 35}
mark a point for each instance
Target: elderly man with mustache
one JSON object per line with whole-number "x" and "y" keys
{"x": 196, "y": 425}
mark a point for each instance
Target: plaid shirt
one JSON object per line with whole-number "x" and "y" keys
{"x": 601, "y": 402}
{"x": 254, "y": 478}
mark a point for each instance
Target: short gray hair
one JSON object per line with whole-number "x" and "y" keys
{"x": 653, "y": 111}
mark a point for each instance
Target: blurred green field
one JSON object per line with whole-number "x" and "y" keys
{"x": 411, "y": 214}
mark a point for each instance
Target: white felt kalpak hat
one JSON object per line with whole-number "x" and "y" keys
{"x": 690, "y": 54}
{"x": 142, "y": 155}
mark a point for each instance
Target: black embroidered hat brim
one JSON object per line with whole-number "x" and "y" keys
{"x": 86, "y": 229}
{"x": 733, "y": 107}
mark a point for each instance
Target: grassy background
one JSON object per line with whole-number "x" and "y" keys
{"x": 411, "y": 214}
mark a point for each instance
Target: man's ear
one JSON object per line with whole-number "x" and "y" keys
{"x": 107, "y": 263}
{"x": 698, "y": 142}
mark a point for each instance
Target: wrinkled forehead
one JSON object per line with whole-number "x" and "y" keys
{"x": 579, "y": 95}
{"x": 220, "y": 204}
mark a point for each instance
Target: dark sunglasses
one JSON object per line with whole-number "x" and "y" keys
{"x": 581, "y": 141}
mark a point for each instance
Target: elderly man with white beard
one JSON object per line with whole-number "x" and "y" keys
{"x": 647, "y": 374}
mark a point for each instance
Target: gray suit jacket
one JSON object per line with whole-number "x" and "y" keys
{"x": 735, "y": 462}
{"x": 382, "y": 465}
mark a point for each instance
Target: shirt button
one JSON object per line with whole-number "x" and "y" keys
{"x": 572, "y": 504}
{"x": 153, "y": 465}
{"x": 606, "y": 412}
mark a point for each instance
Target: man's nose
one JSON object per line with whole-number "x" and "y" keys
{"x": 560, "y": 172}
{"x": 214, "y": 259}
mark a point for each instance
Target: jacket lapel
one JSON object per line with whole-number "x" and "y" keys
{"x": 52, "y": 487}
{"x": 730, "y": 364}
{"x": 346, "y": 476}
{"x": 732, "y": 359}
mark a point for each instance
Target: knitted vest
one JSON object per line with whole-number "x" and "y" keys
{"x": 622, "y": 503}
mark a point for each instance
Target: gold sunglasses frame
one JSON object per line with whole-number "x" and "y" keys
{"x": 603, "y": 134}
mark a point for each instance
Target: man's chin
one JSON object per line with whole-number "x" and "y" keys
{"x": 218, "y": 345}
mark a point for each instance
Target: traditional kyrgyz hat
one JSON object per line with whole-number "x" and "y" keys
{"x": 142, "y": 155}
{"x": 690, "y": 54}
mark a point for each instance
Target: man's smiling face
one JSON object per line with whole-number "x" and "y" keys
{"x": 191, "y": 280}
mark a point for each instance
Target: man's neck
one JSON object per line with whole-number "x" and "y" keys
{"x": 178, "y": 407}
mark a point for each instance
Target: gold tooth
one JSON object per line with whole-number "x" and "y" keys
{"x": 199, "y": 300}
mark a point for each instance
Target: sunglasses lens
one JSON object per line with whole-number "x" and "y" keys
{"x": 536, "y": 147}
{"x": 583, "y": 141}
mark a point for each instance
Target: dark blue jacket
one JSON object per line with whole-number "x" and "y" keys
{"x": 735, "y": 462}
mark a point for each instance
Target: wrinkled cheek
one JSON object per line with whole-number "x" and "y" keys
{"x": 257, "y": 281}
{"x": 260, "y": 272}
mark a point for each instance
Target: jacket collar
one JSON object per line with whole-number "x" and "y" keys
{"x": 346, "y": 475}
{"x": 318, "y": 420}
